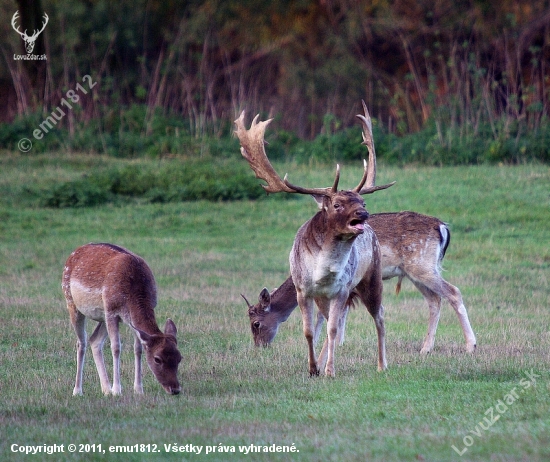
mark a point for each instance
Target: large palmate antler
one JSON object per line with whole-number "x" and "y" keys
{"x": 253, "y": 150}
{"x": 369, "y": 143}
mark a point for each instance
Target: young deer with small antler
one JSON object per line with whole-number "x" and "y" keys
{"x": 412, "y": 246}
{"x": 335, "y": 253}
{"x": 110, "y": 284}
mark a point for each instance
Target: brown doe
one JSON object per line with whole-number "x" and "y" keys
{"x": 412, "y": 246}
{"x": 335, "y": 253}
{"x": 110, "y": 284}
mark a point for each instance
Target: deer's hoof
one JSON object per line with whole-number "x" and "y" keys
{"x": 382, "y": 367}
{"x": 313, "y": 371}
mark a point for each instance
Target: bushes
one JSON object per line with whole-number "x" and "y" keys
{"x": 171, "y": 182}
{"x": 122, "y": 133}
{"x": 497, "y": 144}
{"x": 126, "y": 134}
{"x": 501, "y": 143}
{"x": 74, "y": 194}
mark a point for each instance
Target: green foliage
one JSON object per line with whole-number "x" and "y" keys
{"x": 452, "y": 147}
{"x": 124, "y": 135}
{"x": 73, "y": 194}
{"x": 325, "y": 148}
{"x": 431, "y": 146}
{"x": 303, "y": 59}
{"x": 171, "y": 181}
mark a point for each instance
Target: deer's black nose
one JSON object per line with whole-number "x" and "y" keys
{"x": 362, "y": 214}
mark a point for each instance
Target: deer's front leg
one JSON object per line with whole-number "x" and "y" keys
{"x": 307, "y": 308}
{"x": 138, "y": 376}
{"x": 334, "y": 320}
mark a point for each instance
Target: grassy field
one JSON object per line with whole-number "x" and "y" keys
{"x": 446, "y": 406}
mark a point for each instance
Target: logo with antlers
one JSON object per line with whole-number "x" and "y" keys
{"x": 29, "y": 41}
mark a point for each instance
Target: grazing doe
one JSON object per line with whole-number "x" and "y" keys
{"x": 335, "y": 253}
{"x": 412, "y": 246}
{"x": 110, "y": 284}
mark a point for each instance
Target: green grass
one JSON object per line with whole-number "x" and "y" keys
{"x": 204, "y": 254}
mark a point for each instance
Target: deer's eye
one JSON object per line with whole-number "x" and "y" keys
{"x": 257, "y": 324}
{"x": 158, "y": 360}
{"x": 337, "y": 205}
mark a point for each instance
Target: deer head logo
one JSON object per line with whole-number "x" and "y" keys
{"x": 29, "y": 41}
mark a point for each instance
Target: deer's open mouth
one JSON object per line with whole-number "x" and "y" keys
{"x": 357, "y": 225}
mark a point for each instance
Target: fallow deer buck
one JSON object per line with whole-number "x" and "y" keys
{"x": 412, "y": 246}
{"x": 335, "y": 253}
{"x": 110, "y": 284}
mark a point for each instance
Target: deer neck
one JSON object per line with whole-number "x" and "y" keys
{"x": 333, "y": 262}
{"x": 145, "y": 321}
{"x": 283, "y": 300}
{"x": 323, "y": 261}
{"x": 141, "y": 310}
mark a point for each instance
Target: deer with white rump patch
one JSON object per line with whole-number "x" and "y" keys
{"x": 412, "y": 246}
{"x": 335, "y": 253}
{"x": 110, "y": 284}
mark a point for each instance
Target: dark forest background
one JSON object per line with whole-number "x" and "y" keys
{"x": 446, "y": 81}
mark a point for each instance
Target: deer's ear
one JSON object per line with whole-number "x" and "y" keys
{"x": 143, "y": 337}
{"x": 320, "y": 200}
{"x": 265, "y": 299}
{"x": 170, "y": 328}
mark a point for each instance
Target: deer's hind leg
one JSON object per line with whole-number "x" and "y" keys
{"x": 434, "y": 305}
{"x": 318, "y": 327}
{"x": 78, "y": 320}
{"x": 453, "y": 295}
{"x": 97, "y": 340}
{"x": 112, "y": 328}
{"x": 378, "y": 317}
{"x": 434, "y": 289}
{"x": 322, "y": 359}
{"x": 335, "y": 308}
{"x": 371, "y": 296}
